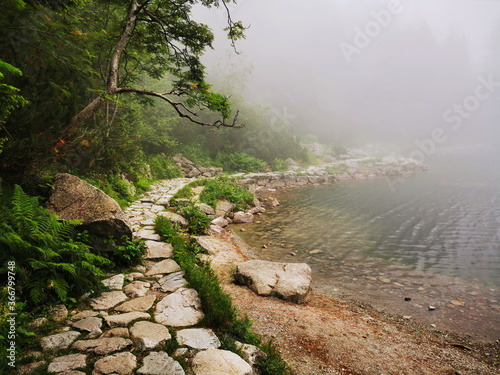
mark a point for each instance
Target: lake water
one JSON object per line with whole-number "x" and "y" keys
{"x": 434, "y": 238}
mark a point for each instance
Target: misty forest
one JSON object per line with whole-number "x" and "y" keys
{"x": 249, "y": 187}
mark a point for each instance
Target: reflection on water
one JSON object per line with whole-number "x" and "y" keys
{"x": 436, "y": 238}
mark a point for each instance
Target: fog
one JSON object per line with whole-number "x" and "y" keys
{"x": 368, "y": 71}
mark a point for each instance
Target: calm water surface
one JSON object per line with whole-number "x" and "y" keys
{"x": 435, "y": 239}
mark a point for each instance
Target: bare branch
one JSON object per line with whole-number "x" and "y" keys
{"x": 181, "y": 109}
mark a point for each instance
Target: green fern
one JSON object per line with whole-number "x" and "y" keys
{"x": 50, "y": 265}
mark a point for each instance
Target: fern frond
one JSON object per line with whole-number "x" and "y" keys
{"x": 61, "y": 287}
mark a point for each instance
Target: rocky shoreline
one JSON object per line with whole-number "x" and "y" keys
{"x": 350, "y": 169}
{"x": 145, "y": 308}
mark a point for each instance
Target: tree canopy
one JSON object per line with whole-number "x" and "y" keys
{"x": 80, "y": 58}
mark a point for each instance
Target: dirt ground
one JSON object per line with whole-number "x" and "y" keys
{"x": 334, "y": 336}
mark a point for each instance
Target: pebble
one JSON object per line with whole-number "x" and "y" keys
{"x": 432, "y": 308}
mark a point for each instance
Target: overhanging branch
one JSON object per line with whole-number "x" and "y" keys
{"x": 182, "y": 110}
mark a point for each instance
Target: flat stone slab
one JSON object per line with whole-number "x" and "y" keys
{"x": 198, "y": 338}
{"x": 158, "y": 250}
{"x": 137, "y": 304}
{"x": 84, "y": 314}
{"x": 160, "y": 363}
{"x": 123, "y": 320}
{"x": 116, "y": 364}
{"x": 108, "y": 300}
{"x": 67, "y": 363}
{"x": 220, "y": 362}
{"x": 241, "y": 217}
{"x": 89, "y": 324}
{"x": 179, "y": 309}
{"x": 211, "y": 245}
{"x": 175, "y": 218}
{"x": 102, "y": 346}
{"x": 115, "y": 282}
{"x": 164, "y": 267}
{"x": 137, "y": 289}
{"x": 171, "y": 282}
{"x": 223, "y": 208}
{"x": 147, "y": 234}
{"x": 148, "y": 335}
{"x": 59, "y": 341}
{"x": 134, "y": 276}
{"x": 289, "y": 281}
{"x": 117, "y": 332}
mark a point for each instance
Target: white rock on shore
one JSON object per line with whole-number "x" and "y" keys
{"x": 289, "y": 281}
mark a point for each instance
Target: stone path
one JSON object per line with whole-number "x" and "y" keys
{"x": 126, "y": 329}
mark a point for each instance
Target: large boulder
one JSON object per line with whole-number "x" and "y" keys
{"x": 76, "y": 199}
{"x": 289, "y": 281}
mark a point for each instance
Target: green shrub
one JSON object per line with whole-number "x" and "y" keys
{"x": 225, "y": 188}
{"x": 163, "y": 168}
{"x": 143, "y": 184}
{"x": 240, "y": 162}
{"x": 198, "y": 221}
{"x": 280, "y": 165}
{"x": 49, "y": 264}
{"x": 128, "y": 253}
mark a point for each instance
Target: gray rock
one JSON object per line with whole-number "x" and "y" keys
{"x": 220, "y": 362}
{"x": 206, "y": 209}
{"x": 137, "y": 289}
{"x": 220, "y": 221}
{"x": 115, "y": 282}
{"x": 164, "y": 267}
{"x": 224, "y": 208}
{"x": 59, "y": 341}
{"x": 147, "y": 234}
{"x": 198, "y": 338}
{"x": 84, "y": 314}
{"x": 37, "y": 323}
{"x": 148, "y": 223}
{"x": 160, "y": 363}
{"x": 137, "y": 304}
{"x": 171, "y": 282}
{"x": 123, "y": 320}
{"x": 67, "y": 363}
{"x": 102, "y": 346}
{"x": 163, "y": 201}
{"x": 58, "y": 313}
{"x": 270, "y": 202}
{"x": 241, "y": 217}
{"x": 216, "y": 229}
{"x": 89, "y": 324}
{"x": 147, "y": 335}
{"x": 289, "y": 281}
{"x": 157, "y": 250}
{"x": 250, "y": 353}
{"x": 116, "y": 332}
{"x": 116, "y": 364}
{"x": 175, "y": 218}
{"x": 179, "y": 309}
{"x": 210, "y": 244}
{"x": 75, "y": 199}
{"x": 134, "y": 276}
{"x": 108, "y": 300}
